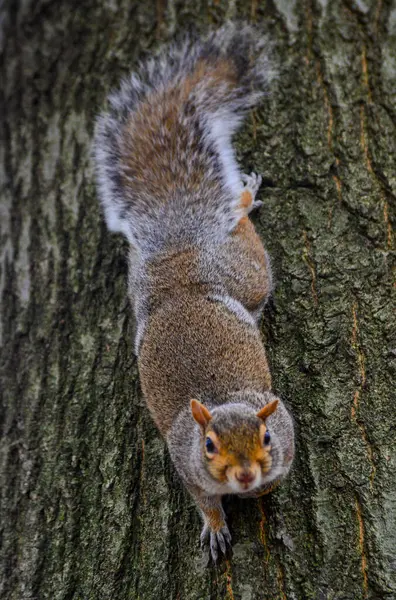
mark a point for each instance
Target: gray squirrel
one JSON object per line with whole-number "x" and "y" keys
{"x": 199, "y": 276}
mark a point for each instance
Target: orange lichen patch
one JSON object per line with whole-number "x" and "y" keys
{"x": 356, "y": 397}
{"x": 363, "y": 140}
{"x": 329, "y": 110}
{"x": 228, "y": 578}
{"x": 362, "y": 547}
{"x": 309, "y": 19}
{"x": 356, "y": 346}
{"x": 365, "y": 148}
{"x": 330, "y": 135}
{"x": 355, "y": 404}
{"x": 254, "y": 124}
{"x": 365, "y": 74}
{"x": 377, "y": 15}
{"x": 338, "y": 184}
{"x": 160, "y": 10}
{"x": 263, "y": 533}
{"x": 363, "y": 136}
{"x": 370, "y": 454}
{"x": 280, "y": 577}
{"x": 389, "y": 232}
{"x": 309, "y": 262}
{"x": 253, "y": 10}
{"x": 141, "y": 478}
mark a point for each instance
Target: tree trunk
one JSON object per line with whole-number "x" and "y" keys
{"x": 91, "y": 507}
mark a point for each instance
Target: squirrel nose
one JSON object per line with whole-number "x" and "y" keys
{"x": 245, "y": 477}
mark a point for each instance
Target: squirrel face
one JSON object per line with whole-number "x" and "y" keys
{"x": 236, "y": 447}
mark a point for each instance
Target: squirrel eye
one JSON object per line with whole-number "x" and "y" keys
{"x": 267, "y": 437}
{"x": 210, "y": 447}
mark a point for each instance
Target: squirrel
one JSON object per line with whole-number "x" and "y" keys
{"x": 199, "y": 276}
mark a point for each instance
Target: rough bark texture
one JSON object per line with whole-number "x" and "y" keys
{"x": 91, "y": 507}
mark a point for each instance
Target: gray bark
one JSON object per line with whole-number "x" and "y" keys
{"x": 91, "y": 507}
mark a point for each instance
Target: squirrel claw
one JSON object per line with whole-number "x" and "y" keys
{"x": 256, "y": 204}
{"x": 252, "y": 183}
{"x": 217, "y": 540}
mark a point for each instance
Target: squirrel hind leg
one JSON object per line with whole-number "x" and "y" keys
{"x": 251, "y": 186}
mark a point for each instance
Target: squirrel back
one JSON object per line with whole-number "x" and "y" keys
{"x": 163, "y": 150}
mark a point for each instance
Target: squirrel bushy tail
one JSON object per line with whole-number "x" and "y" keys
{"x": 165, "y": 165}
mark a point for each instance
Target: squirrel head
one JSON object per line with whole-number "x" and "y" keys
{"x": 237, "y": 445}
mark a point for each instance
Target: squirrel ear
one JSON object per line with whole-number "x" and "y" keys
{"x": 268, "y": 409}
{"x": 200, "y": 413}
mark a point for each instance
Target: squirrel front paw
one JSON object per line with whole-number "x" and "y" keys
{"x": 216, "y": 540}
{"x": 252, "y": 184}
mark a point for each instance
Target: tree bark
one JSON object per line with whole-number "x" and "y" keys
{"x": 91, "y": 507}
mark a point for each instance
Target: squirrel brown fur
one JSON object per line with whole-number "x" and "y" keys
{"x": 198, "y": 273}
